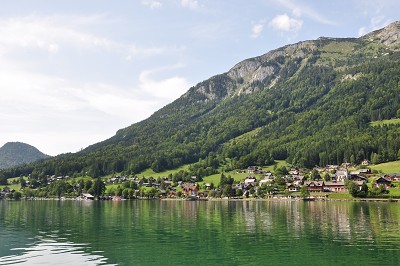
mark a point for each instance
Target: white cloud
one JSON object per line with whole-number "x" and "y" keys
{"x": 376, "y": 22}
{"x": 362, "y": 31}
{"x": 53, "y": 109}
{"x": 152, "y": 4}
{"x": 165, "y": 90}
{"x": 301, "y": 9}
{"x": 257, "y": 30}
{"x": 285, "y": 23}
{"x": 192, "y": 4}
{"x": 133, "y": 51}
{"x": 55, "y": 33}
{"x": 47, "y": 33}
{"x": 45, "y": 93}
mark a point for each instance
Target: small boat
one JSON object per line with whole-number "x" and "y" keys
{"x": 192, "y": 198}
{"x": 309, "y": 199}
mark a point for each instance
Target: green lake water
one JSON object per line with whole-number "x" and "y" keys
{"x": 199, "y": 233}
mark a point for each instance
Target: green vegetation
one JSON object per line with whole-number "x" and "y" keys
{"x": 386, "y": 122}
{"x": 17, "y": 153}
{"x": 150, "y": 173}
{"x": 387, "y": 168}
{"x": 316, "y": 113}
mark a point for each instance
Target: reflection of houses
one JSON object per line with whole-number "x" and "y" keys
{"x": 190, "y": 189}
{"x": 314, "y": 186}
{"x": 334, "y": 186}
{"x": 383, "y": 181}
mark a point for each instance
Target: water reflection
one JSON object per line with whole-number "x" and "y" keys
{"x": 213, "y": 232}
{"x": 52, "y": 251}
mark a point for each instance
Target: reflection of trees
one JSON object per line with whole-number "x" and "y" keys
{"x": 339, "y": 220}
{"x": 221, "y": 228}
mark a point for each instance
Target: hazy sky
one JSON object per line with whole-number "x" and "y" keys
{"x": 74, "y": 72}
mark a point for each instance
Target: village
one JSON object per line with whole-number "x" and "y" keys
{"x": 289, "y": 182}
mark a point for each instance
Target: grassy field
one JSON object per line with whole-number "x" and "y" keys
{"x": 393, "y": 121}
{"x": 16, "y": 187}
{"x": 150, "y": 173}
{"x": 241, "y": 176}
{"x": 387, "y": 168}
{"x": 278, "y": 163}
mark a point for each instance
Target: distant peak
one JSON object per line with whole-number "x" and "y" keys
{"x": 389, "y": 35}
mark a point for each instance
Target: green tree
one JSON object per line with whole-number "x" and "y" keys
{"x": 315, "y": 175}
{"x": 281, "y": 171}
{"x": 88, "y": 185}
{"x": 304, "y": 193}
{"x": 363, "y": 192}
{"x": 17, "y": 195}
{"x": 227, "y": 190}
{"x": 152, "y": 193}
{"x": 22, "y": 181}
{"x": 98, "y": 187}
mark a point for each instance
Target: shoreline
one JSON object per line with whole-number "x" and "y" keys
{"x": 219, "y": 199}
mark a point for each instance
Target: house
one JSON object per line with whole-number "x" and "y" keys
{"x": 393, "y": 177}
{"x": 359, "y": 184}
{"x": 167, "y": 183}
{"x": 360, "y": 171}
{"x": 5, "y": 191}
{"x": 314, "y": 186}
{"x": 172, "y": 194}
{"x": 358, "y": 178}
{"x": 239, "y": 185}
{"x": 330, "y": 167}
{"x": 203, "y": 195}
{"x": 341, "y": 175}
{"x": 87, "y": 196}
{"x": 383, "y": 181}
{"x": 365, "y": 162}
{"x": 294, "y": 172}
{"x": 190, "y": 189}
{"x": 250, "y": 180}
{"x": 334, "y": 186}
{"x": 265, "y": 181}
{"x": 208, "y": 186}
{"x": 293, "y": 187}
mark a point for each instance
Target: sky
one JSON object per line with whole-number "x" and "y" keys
{"x": 73, "y": 72}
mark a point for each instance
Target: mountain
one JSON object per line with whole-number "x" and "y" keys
{"x": 311, "y": 103}
{"x": 17, "y": 153}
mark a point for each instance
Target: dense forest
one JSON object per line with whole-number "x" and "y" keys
{"x": 310, "y": 103}
{"x": 17, "y": 153}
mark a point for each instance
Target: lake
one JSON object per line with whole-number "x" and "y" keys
{"x": 199, "y": 233}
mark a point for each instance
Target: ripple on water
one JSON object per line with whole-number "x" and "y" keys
{"x": 53, "y": 252}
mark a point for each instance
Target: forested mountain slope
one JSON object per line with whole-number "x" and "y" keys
{"x": 310, "y": 103}
{"x": 17, "y": 153}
